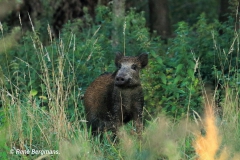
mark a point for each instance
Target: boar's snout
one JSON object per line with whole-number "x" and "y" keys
{"x": 121, "y": 80}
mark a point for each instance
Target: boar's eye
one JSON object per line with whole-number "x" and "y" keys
{"x": 119, "y": 66}
{"x": 134, "y": 67}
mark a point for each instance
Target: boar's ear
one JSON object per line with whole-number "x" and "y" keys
{"x": 143, "y": 58}
{"x": 119, "y": 55}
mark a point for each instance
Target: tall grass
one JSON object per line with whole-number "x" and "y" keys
{"x": 216, "y": 142}
{"x": 39, "y": 119}
{"x": 221, "y": 123}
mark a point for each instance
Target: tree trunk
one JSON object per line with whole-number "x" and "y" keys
{"x": 159, "y": 18}
{"x": 224, "y": 10}
{"x": 118, "y": 21}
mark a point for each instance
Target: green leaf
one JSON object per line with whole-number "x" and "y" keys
{"x": 176, "y": 80}
{"x": 190, "y": 73}
{"x": 179, "y": 68}
{"x": 158, "y": 58}
{"x": 43, "y": 97}
{"x": 33, "y": 92}
{"x": 163, "y": 78}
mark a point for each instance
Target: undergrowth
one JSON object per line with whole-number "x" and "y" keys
{"x": 42, "y": 86}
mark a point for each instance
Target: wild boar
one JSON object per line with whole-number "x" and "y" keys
{"x": 116, "y": 98}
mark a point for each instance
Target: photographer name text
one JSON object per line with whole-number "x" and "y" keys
{"x": 33, "y": 151}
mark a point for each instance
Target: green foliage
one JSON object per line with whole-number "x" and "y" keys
{"x": 198, "y": 53}
{"x": 42, "y": 84}
{"x": 3, "y": 133}
{"x": 173, "y": 85}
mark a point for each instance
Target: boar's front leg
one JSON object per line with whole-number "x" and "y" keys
{"x": 137, "y": 117}
{"x": 118, "y": 112}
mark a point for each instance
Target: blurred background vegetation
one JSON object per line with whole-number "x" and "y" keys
{"x": 50, "y": 51}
